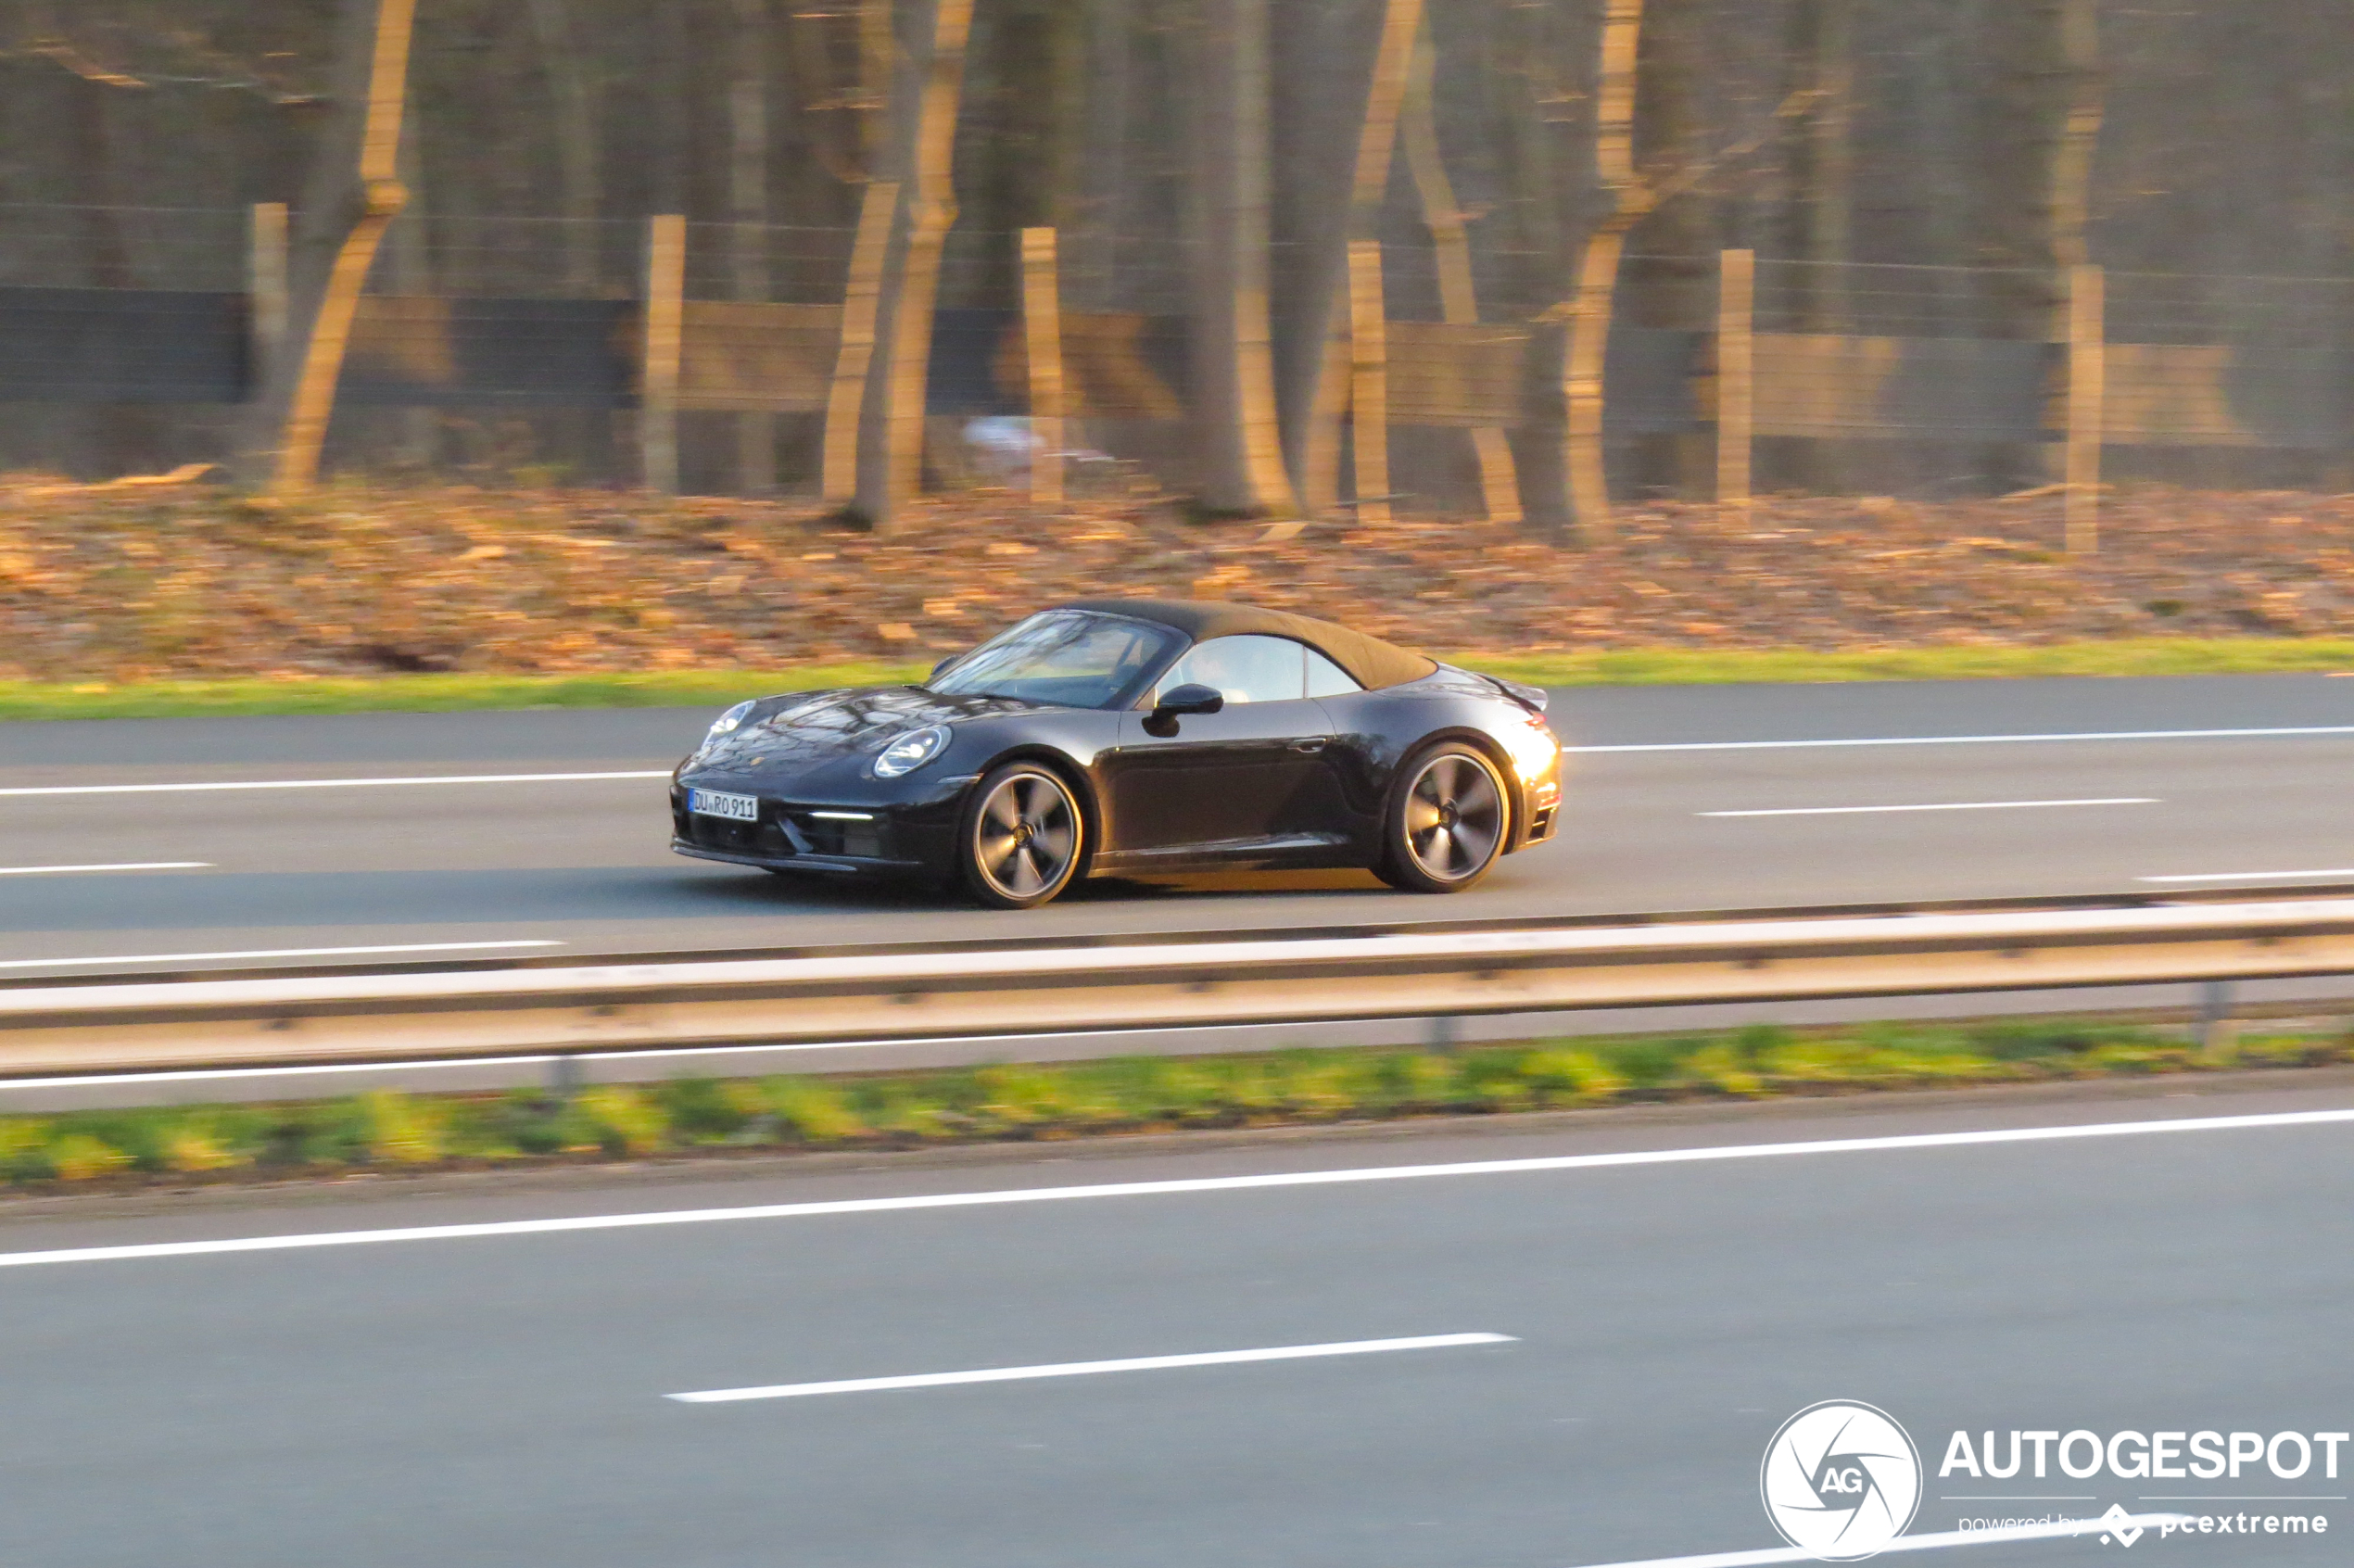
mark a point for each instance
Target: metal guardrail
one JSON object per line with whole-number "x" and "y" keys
{"x": 1027, "y": 986}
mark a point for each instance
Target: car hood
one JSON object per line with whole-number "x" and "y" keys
{"x": 807, "y": 728}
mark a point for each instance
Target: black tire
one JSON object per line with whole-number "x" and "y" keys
{"x": 1021, "y": 839}
{"x": 1446, "y": 823}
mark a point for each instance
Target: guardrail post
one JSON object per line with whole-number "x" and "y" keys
{"x": 2219, "y": 1032}
{"x": 564, "y": 1075}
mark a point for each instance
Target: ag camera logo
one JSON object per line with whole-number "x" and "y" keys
{"x": 1841, "y": 1481}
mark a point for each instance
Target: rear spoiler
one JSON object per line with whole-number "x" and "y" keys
{"x": 1530, "y": 697}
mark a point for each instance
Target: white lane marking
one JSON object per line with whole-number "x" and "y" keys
{"x": 126, "y": 865}
{"x": 328, "y": 783}
{"x": 1941, "y": 1539}
{"x": 273, "y": 952}
{"x": 2246, "y": 876}
{"x": 1083, "y": 1369}
{"x": 1971, "y": 740}
{"x": 1957, "y": 806}
{"x": 1163, "y": 1189}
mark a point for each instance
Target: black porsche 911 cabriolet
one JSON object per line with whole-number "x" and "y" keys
{"x": 1127, "y": 738}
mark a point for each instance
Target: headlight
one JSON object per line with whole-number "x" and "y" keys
{"x": 909, "y": 752}
{"x": 726, "y": 724}
{"x": 1533, "y": 750}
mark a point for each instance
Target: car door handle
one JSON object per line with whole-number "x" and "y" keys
{"x": 1308, "y": 748}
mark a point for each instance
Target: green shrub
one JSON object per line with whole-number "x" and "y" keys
{"x": 704, "y": 1110}
{"x": 1317, "y": 1083}
{"x": 1557, "y": 1076}
{"x": 623, "y": 1120}
{"x": 813, "y": 1111}
{"x": 397, "y": 1129}
{"x": 78, "y": 1157}
{"x": 22, "y": 1139}
{"x": 1646, "y": 1064}
{"x": 1727, "y": 1068}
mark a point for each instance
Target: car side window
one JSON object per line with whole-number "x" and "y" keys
{"x": 1242, "y": 669}
{"x": 1326, "y": 679}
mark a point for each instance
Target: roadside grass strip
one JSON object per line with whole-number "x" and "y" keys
{"x": 718, "y": 688}
{"x": 389, "y": 1130}
{"x": 1089, "y": 1369}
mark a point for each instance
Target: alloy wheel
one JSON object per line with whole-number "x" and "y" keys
{"x": 1025, "y": 835}
{"x": 1454, "y": 817}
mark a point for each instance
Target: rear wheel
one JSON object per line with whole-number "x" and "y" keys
{"x": 1021, "y": 837}
{"x": 1445, "y": 827}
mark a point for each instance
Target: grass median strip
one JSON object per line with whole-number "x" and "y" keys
{"x": 387, "y": 1130}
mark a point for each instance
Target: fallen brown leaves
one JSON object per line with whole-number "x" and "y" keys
{"x": 128, "y": 583}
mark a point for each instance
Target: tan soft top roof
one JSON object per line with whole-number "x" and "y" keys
{"x": 1369, "y": 661}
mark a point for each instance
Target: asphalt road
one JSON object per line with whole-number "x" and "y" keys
{"x": 581, "y": 863}
{"x": 500, "y": 1399}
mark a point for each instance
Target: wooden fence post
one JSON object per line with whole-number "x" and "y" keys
{"x": 1369, "y": 380}
{"x": 266, "y": 288}
{"x": 859, "y": 306}
{"x": 1736, "y": 302}
{"x": 658, "y": 381}
{"x": 2087, "y": 377}
{"x": 1042, "y": 320}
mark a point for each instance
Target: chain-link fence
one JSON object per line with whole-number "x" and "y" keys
{"x": 129, "y": 338}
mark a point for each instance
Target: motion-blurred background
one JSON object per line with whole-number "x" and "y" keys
{"x": 1959, "y": 210}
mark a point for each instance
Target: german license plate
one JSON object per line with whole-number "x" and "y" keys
{"x": 735, "y": 808}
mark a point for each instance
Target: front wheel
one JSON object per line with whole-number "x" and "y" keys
{"x": 1021, "y": 837}
{"x": 1445, "y": 827}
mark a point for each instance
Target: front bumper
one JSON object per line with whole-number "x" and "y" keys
{"x": 881, "y": 840}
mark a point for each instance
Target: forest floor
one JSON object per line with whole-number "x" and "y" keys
{"x": 107, "y": 586}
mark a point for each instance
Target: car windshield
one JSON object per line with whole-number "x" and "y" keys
{"x": 1070, "y": 658}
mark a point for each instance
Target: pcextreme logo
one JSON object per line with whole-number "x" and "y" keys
{"x": 1841, "y": 1480}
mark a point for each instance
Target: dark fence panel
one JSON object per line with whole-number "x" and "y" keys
{"x": 414, "y": 351}
{"x": 121, "y": 345}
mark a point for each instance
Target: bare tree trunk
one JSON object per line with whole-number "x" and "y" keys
{"x": 1369, "y": 183}
{"x": 930, "y": 84}
{"x": 1672, "y": 284}
{"x": 748, "y": 201}
{"x": 572, "y": 89}
{"x": 1588, "y": 312}
{"x": 1823, "y": 62}
{"x": 2042, "y": 136}
{"x": 1458, "y": 290}
{"x": 410, "y": 262}
{"x": 352, "y": 192}
{"x": 1237, "y": 441}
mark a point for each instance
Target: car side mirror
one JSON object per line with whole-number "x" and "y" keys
{"x": 940, "y": 666}
{"x": 1190, "y": 698}
{"x": 1181, "y": 699}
